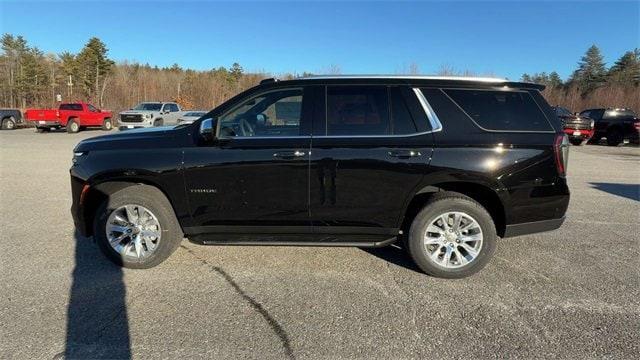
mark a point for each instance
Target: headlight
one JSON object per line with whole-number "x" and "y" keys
{"x": 593, "y": 123}
{"x": 77, "y": 155}
{"x": 148, "y": 116}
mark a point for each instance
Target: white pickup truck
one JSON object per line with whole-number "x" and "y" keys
{"x": 148, "y": 114}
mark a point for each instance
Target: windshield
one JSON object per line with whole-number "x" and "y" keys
{"x": 560, "y": 111}
{"x": 148, "y": 106}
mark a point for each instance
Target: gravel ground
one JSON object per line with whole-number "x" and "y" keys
{"x": 572, "y": 293}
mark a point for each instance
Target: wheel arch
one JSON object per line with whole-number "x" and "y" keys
{"x": 100, "y": 192}
{"x": 481, "y": 193}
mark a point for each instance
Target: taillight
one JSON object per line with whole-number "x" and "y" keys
{"x": 57, "y": 113}
{"x": 637, "y": 125}
{"x": 561, "y": 152}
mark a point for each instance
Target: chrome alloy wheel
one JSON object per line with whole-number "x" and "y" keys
{"x": 453, "y": 239}
{"x": 133, "y": 231}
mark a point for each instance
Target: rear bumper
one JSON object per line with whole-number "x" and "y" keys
{"x": 579, "y": 134}
{"x": 532, "y": 227}
{"x": 45, "y": 123}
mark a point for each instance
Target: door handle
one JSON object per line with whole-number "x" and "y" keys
{"x": 404, "y": 153}
{"x": 289, "y": 154}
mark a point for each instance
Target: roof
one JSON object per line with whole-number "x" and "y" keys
{"x": 426, "y": 79}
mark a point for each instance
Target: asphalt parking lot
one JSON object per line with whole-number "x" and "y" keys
{"x": 572, "y": 293}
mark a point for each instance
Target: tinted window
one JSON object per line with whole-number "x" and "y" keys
{"x": 401, "y": 117}
{"x": 501, "y": 110}
{"x": 619, "y": 114}
{"x": 92, "y": 108}
{"x": 357, "y": 110}
{"x": 560, "y": 111}
{"x": 275, "y": 113}
{"x": 73, "y": 107}
{"x": 173, "y": 107}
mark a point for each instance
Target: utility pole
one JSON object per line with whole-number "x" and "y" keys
{"x": 70, "y": 87}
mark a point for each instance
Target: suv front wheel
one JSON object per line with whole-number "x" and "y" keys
{"x": 452, "y": 237}
{"x": 137, "y": 228}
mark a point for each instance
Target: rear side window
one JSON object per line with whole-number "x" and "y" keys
{"x": 74, "y": 107}
{"x": 501, "y": 110}
{"x": 358, "y": 110}
{"x": 401, "y": 116}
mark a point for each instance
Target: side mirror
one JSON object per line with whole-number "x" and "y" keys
{"x": 208, "y": 130}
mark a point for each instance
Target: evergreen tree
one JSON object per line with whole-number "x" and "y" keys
{"x": 236, "y": 71}
{"x": 93, "y": 67}
{"x": 627, "y": 69}
{"x": 554, "y": 80}
{"x": 591, "y": 70}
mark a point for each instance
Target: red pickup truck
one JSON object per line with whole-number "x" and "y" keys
{"x": 73, "y": 116}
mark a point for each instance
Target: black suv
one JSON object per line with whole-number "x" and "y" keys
{"x": 445, "y": 165}
{"x": 616, "y": 125}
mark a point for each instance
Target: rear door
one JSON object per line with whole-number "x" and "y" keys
{"x": 256, "y": 178}
{"x": 371, "y": 147}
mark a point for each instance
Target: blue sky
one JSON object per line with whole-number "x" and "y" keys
{"x": 502, "y": 38}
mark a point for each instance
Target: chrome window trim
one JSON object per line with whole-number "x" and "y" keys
{"x": 434, "y": 121}
{"x": 501, "y": 131}
{"x": 436, "y": 125}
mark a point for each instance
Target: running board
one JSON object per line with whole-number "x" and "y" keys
{"x": 363, "y": 244}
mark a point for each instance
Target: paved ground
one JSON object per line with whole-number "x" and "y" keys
{"x": 572, "y": 293}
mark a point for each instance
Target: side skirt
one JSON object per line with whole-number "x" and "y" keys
{"x": 292, "y": 240}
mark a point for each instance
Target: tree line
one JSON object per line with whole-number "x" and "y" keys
{"x": 31, "y": 78}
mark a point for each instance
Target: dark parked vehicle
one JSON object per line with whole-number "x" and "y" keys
{"x": 617, "y": 125}
{"x": 10, "y": 118}
{"x": 579, "y": 129}
{"x": 446, "y": 165}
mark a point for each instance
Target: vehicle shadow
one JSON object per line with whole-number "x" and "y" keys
{"x": 629, "y": 191}
{"x": 97, "y": 321}
{"x": 394, "y": 254}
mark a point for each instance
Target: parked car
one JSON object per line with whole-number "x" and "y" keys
{"x": 10, "y": 118}
{"x": 445, "y": 165}
{"x": 616, "y": 125}
{"x": 578, "y": 128}
{"x": 73, "y": 116}
{"x": 190, "y": 116}
{"x": 150, "y": 114}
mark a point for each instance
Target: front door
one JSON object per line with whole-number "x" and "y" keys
{"x": 255, "y": 178}
{"x": 370, "y": 152}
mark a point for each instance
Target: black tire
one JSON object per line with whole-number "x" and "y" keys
{"x": 8, "y": 123}
{"x": 43, "y": 129}
{"x": 152, "y": 199}
{"x": 614, "y": 137}
{"x": 107, "y": 125}
{"x": 441, "y": 203}
{"x": 158, "y": 122}
{"x": 576, "y": 142}
{"x": 73, "y": 126}
{"x": 594, "y": 140}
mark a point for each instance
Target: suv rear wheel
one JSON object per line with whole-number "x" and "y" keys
{"x": 137, "y": 228}
{"x": 452, "y": 237}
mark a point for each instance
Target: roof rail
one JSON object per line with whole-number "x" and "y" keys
{"x": 268, "y": 80}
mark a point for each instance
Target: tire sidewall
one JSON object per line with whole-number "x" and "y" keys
{"x": 170, "y": 229}
{"x": 9, "y": 123}
{"x": 107, "y": 125}
{"x": 70, "y": 126}
{"x": 429, "y": 213}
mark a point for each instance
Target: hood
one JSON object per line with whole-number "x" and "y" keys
{"x": 144, "y": 138}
